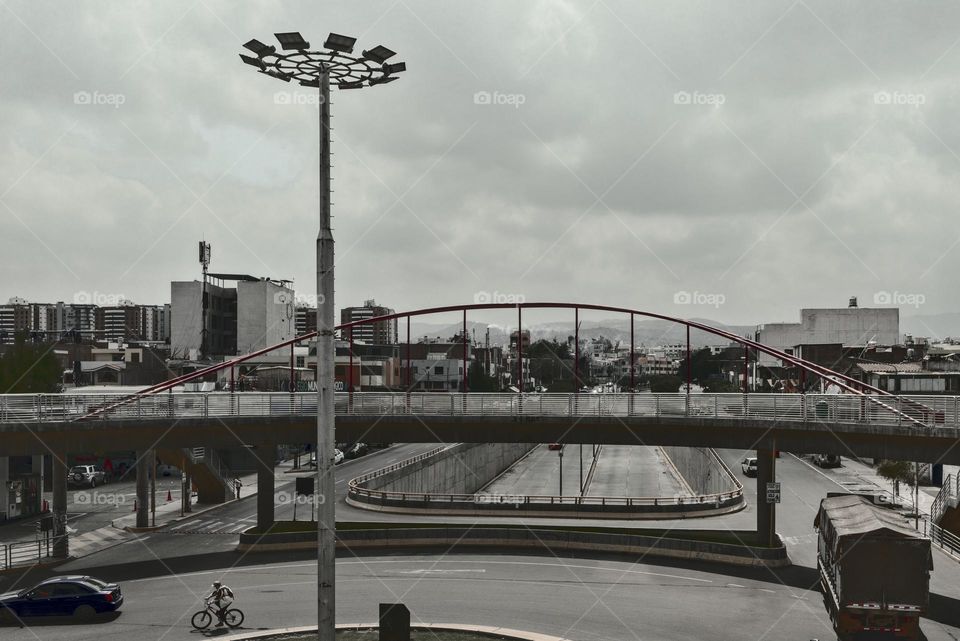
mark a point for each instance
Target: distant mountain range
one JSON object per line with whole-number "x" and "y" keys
{"x": 651, "y": 332}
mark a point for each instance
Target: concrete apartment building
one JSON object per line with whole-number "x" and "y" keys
{"x": 304, "y": 319}
{"x": 265, "y": 314}
{"x": 256, "y": 313}
{"x": 379, "y": 333}
{"x": 847, "y": 326}
{"x": 84, "y": 321}
{"x": 130, "y": 322}
{"x": 186, "y": 320}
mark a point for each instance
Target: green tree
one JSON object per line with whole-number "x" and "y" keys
{"x": 896, "y": 472}
{"x": 547, "y": 349}
{"x": 29, "y": 368}
{"x": 478, "y": 381}
{"x": 665, "y": 384}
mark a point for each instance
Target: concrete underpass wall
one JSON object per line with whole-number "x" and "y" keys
{"x": 701, "y": 469}
{"x": 461, "y": 469}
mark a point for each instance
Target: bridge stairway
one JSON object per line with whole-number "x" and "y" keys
{"x": 213, "y": 479}
{"x": 945, "y": 511}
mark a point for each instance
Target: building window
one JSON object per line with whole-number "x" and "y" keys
{"x": 438, "y": 370}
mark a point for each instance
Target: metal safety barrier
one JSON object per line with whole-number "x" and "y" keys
{"x": 27, "y": 553}
{"x": 911, "y": 411}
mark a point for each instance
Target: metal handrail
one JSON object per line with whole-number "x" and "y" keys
{"x": 532, "y": 499}
{"x": 940, "y": 411}
{"x": 354, "y": 488}
{"x": 944, "y": 539}
{"x": 26, "y": 553}
{"x": 949, "y": 492}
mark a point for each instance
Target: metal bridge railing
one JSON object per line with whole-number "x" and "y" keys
{"x": 357, "y": 491}
{"x": 945, "y": 540}
{"x": 829, "y": 408}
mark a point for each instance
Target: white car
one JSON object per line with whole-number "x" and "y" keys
{"x": 749, "y": 466}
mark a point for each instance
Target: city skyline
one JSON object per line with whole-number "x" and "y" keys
{"x": 518, "y": 181}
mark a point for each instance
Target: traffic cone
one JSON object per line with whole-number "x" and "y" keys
{"x": 169, "y": 496}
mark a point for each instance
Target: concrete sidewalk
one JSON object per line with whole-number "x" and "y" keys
{"x": 859, "y": 477}
{"x": 167, "y": 513}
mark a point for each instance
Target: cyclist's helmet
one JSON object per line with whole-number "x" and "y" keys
{"x": 216, "y": 584}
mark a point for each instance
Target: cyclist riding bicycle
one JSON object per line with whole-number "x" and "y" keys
{"x": 222, "y": 597}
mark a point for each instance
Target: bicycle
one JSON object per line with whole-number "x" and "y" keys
{"x": 202, "y": 619}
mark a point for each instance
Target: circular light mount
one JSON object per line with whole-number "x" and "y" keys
{"x": 345, "y": 69}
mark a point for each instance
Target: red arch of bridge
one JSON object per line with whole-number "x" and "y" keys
{"x": 845, "y": 382}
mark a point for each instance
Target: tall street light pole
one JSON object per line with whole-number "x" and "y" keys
{"x": 334, "y": 64}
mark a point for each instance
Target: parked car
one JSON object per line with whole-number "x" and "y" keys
{"x": 749, "y": 466}
{"x": 86, "y": 476}
{"x": 167, "y": 470}
{"x": 79, "y": 596}
{"x": 555, "y": 446}
{"x": 827, "y": 460}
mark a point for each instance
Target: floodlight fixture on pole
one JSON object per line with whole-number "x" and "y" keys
{"x": 335, "y": 65}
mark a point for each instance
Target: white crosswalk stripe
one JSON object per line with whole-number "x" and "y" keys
{"x": 211, "y": 526}
{"x": 96, "y": 540}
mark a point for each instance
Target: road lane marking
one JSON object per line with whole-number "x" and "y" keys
{"x": 435, "y": 571}
{"x": 367, "y": 562}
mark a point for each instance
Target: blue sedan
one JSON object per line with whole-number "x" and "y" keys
{"x": 79, "y": 596}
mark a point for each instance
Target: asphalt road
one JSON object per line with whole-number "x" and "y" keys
{"x": 575, "y": 598}
{"x": 587, "y": 598}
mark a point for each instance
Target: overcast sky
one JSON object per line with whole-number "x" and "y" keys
{"x": 736, "y": 161}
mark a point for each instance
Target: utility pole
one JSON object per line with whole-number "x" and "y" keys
{"x": 204, "y": 303}
{"x": 334, "y": 64}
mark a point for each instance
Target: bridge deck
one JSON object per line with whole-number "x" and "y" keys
{"x": 924, "y": 428}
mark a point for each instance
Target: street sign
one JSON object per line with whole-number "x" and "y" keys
{"x": 773, "y": 492}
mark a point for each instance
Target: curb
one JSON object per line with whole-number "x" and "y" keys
{"x": 507, "y": 538}
{"x": 676, "y": 473}
{"x": 485, "y": 630}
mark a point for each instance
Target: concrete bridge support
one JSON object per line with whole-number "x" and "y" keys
{"x": 766, "y": 512}
{"x": 144, "y": 469}
{"x": 61, "y": 545}
{"x": 265, "y": 454}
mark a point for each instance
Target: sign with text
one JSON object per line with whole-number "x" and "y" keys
{"x": 773, "y": 492}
